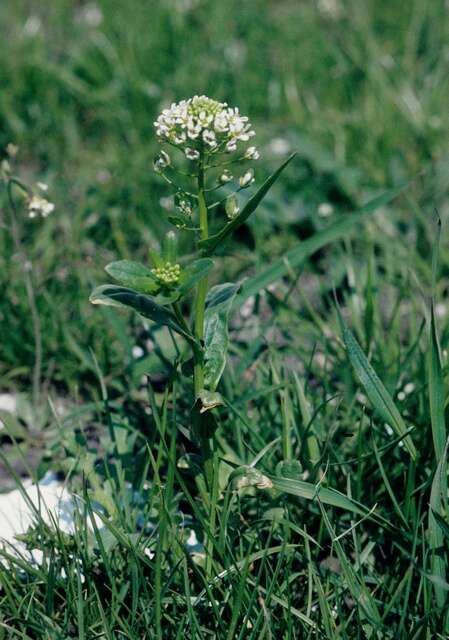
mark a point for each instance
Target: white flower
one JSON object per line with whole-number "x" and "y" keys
{"x": 221, "y": 124}
{"x": 330, "y": 8}
{"x": 39, "y": 206}
{"x": 192, "y": 154}
{"x": 179, "y": 138}
{"x": 280, "y": 146}
{"x": 251, "y": 154}
{"x": 91, "y": 14}
{"x": 12, "y": 149}
{"x": 32, "y": 26}
{"x": 137, "y": 351}
{"x": 225, "y": 177}
{"x": 166, "y": 202}
{"x": 231, "y": 145}
{"x": 246, "y": 179}
{"x": 42, "y": 186}
{"x": 245, "y": 135}
{"x": 209, "y": 138}
{"x": 325, "y": 209}
{"x": 193, "y": 129}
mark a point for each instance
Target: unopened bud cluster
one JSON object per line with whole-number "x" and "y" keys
{"x": 168, "y": 274}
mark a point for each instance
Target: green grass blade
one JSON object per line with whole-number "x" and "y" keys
{"x": 436, "y": 537}
{"x": 356, "y": 585}
{"x": 435, "y": 372}
{"x": 436, "y": 389}
{"x": 298, "y": 255}
{"x": 378, "y": 395}
{"x": 309, "y": 491}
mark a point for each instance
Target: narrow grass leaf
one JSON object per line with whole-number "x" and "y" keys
{"x": 373, "y": 386}
{"x": 309, "y": 491}
{"x": 435, "y": 372}
{"x": 436, "y": 538}
{"x": 298, "y": 255}
{"x": 361, "y": 595}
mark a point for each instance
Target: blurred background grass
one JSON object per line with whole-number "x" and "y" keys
{"x": 359, "y": 88}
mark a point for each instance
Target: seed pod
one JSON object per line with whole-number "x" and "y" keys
{"x": 232, "y": 207}
{"x": 246, "y": 179}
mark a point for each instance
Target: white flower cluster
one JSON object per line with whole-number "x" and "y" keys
{"x": 38, "y": 206}
{"x": 201, "y": 124}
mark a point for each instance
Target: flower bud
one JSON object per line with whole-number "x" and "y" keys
{"x": 168, "y": 274}
{"x": 232, "y": 207}
{"x": 247, "y": 179}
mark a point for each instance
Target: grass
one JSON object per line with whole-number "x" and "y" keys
{"x": 332, "y": 516}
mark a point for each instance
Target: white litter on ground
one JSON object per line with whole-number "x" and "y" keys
{"x": 8, "y": 402}
{"x": 49, "y": 501}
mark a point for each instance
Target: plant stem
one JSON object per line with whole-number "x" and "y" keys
{"x": 199, "y": 314}
{"x": 15, "y": 232}
{"x": 206, "y": 449}
{"x": 209, "y": 455}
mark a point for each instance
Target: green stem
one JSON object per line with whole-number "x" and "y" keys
{"x": 200, "y": 301}
{"x": 29, "y": 286}
{"x": 209, "y": 455}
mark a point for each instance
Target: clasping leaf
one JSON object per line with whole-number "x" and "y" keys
{"x": 218, "y": 304}
{"x": 113, "y": 296}
{"x": 208, "y": 246}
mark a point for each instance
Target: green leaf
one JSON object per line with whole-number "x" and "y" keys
{"x": 134, "y": 275}
{"x": 193, "y": 274}
{"x": 311, "y": 444}
{"x": 374, "y": 388}
{"x": 208, "y": 246}
{"x": 356, "y": 584}
{"x": 435, "y": 371}
{"x": 309, "y": 491}
{"x": 218, "y": 304}
{"x": 436, "y": 389}
{"x": 444, "y": 526}
{"x": 298, "y": 255}
{"x": 145, "y": 305}
{"x": 438, "y": 496}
